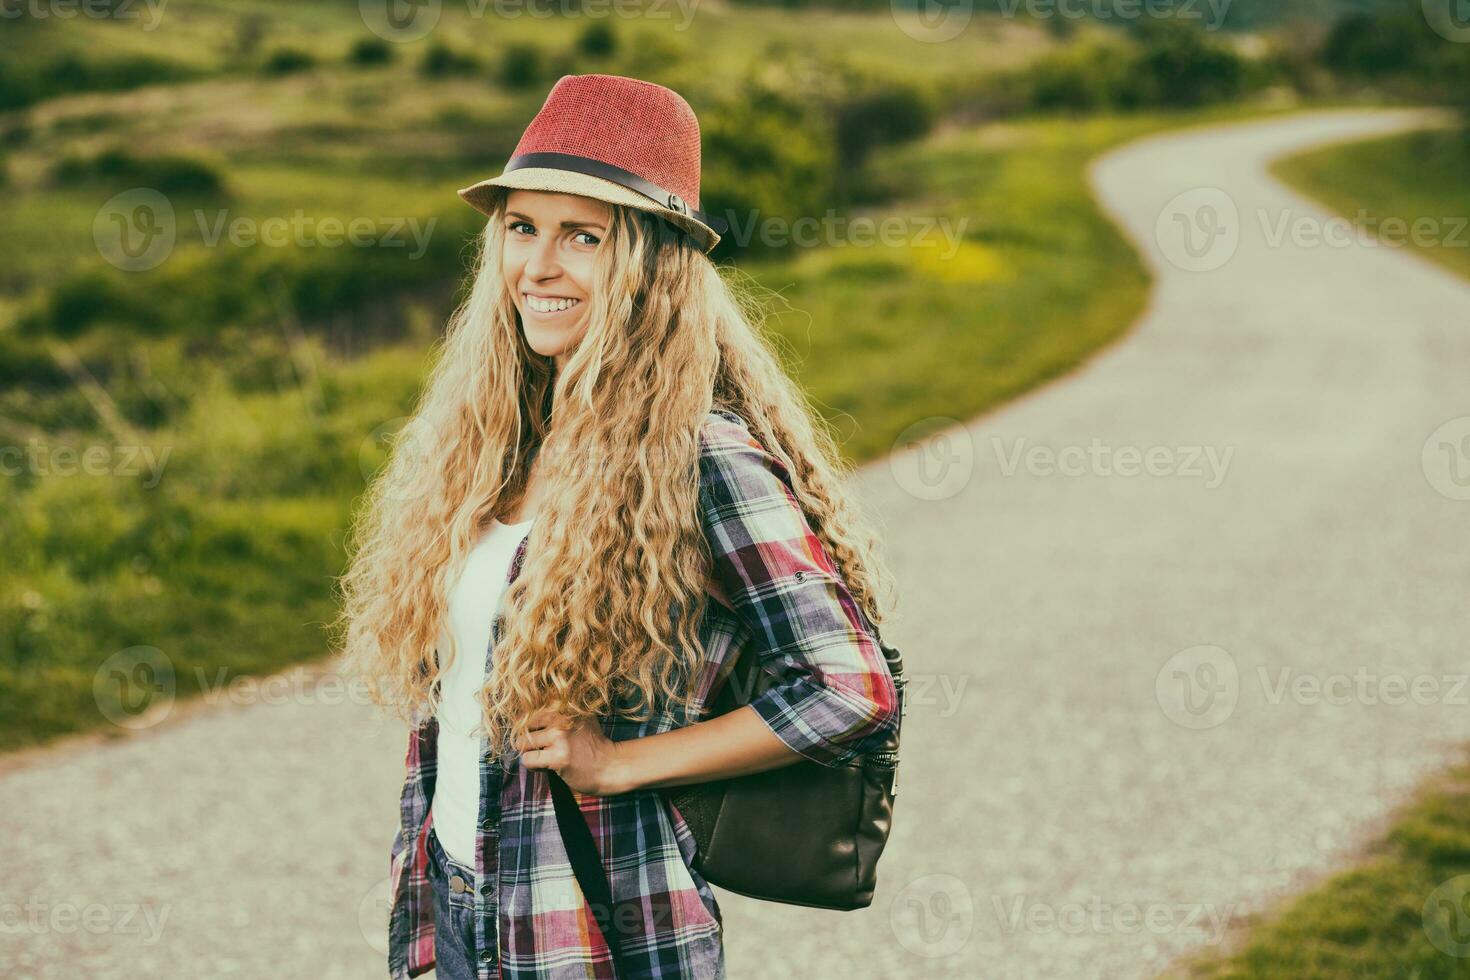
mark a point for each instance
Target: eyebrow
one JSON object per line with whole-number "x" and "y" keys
{"x": 564, "y": 224}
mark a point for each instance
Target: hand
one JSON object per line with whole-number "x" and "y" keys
{"x": 586, "y": 759}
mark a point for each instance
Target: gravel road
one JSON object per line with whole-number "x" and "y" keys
{"x": 1153, "y": 611}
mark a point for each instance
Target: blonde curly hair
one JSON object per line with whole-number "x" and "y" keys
{"x": 605, "y": 613}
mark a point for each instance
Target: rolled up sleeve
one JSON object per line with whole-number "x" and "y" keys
{"x": 827, "y": 693}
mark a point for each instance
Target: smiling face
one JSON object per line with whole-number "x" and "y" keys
{"x": 550, "y": 244}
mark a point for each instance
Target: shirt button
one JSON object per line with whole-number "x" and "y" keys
{"x": 487, "y": 956}
{"x": 488, "y": 823}
{"x": 801, "y": 576}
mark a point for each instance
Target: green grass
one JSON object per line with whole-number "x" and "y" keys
{"x": 1404, "y": 913}
{"x": 1421, "y": 175}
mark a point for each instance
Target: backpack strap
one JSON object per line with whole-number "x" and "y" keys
{"x": 587, "y": 866}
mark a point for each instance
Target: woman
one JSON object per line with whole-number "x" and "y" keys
{"x": 604, "y": 444}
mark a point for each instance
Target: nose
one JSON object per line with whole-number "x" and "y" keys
{"x": 542, "y": 262}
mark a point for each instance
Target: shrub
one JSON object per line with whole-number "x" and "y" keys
{"x": 285, "y": 60}
{"x": 1180, "y": 66}
{"x": 370, "y": 51}
{"x": 598, "y": 40}
{"x": 167, "y": 174}
{"x": 887, "y": 113}
{"x": 521, "y": 66}
{"x": 440, "y": 60}
{"x": 769, "y": 154}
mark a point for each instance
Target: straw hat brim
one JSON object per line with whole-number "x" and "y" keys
{"x": 482, "y": 196}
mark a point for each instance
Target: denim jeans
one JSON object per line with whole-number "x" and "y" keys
{"x": 454, "y": 914}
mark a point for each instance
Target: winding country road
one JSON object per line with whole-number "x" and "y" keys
{"x": 1153, "y": 612}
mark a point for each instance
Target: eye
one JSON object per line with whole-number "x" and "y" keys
{"x": 520, "y": 224}
{"x": 595, "y": 239}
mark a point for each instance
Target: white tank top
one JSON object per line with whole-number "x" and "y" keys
{"x": 472, "y": 603}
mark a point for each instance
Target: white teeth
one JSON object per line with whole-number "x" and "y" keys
{"x": 550, "y": 305}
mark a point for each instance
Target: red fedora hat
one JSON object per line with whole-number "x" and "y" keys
{"x": 615, "y": 139}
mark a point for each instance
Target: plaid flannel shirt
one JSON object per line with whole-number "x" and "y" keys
{"x": 830, "y": 698}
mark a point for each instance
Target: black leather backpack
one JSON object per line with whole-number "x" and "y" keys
{"x": 801, "y": 834}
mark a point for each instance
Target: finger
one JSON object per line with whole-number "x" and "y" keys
{"x": 538, "y": 739}
{"x": 543, "y": 718}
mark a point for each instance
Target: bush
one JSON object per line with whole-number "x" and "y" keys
{"x": 886, "y": 113}
{"x": 521, "y": 66}
{"x": 441, "y": 60}
{"x": 83, "y": 300}
{"x": 599, "y": 40}
{"x": 768, "y": 155}
{"x": 285, "y": 60}
{"x": 167, "y": 174}
{"x": 1167, "y": 63}
{"x": 1181, "y": 66}
{"x": 73, "y": 73}
{"x": 370, "y": 51}
{"x": 1372, "y": 44}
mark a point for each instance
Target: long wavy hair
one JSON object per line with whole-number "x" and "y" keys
{"x": 604, "y": 615}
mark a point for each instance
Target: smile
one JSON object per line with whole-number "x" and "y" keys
{"x": 538, "y": 305}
